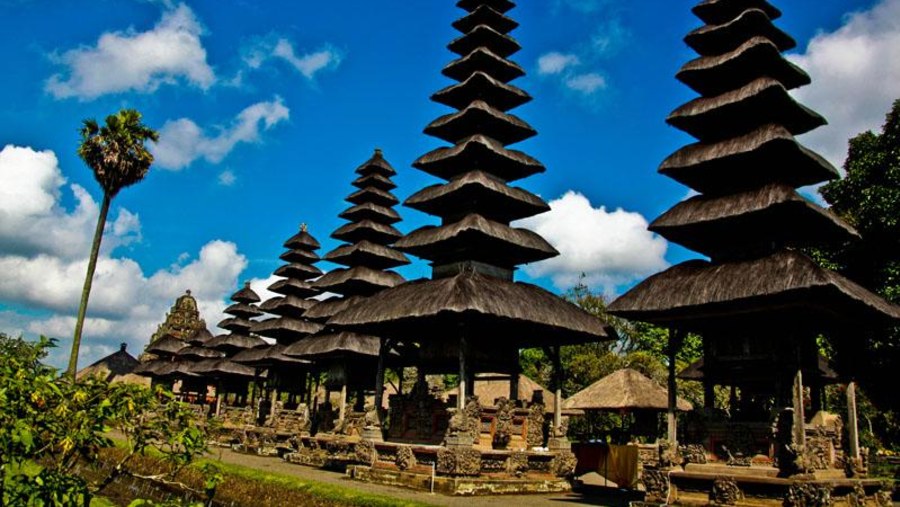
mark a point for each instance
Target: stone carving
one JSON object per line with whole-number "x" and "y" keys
{"x": 668, "y": 455}
{"x": 858, "y": 497}
{"x": 518, "y": 463}
{"x": 365, "y": 452}
{"x": 736, "y": 460}
{"x": 406, "y": 459}
{"x": 693, "y": 453}
{"x": 466, "y": 423}
{"x": 563, "y": 464}
{"x": 656, "y": 484}
{"x": 503, "y": 424}
{"x": 459, "y": 461}
{"x": 725, "y": 491}
{"x": 808, "y": 494}
{"x": 325, "y": 418}
{"x": 372, "y": 420}
{"x": 789, "y": 456}
{"x": 563, "y": 430}
{"x": 535, "y": 434}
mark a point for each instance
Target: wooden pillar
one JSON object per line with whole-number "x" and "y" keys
{"x": 379, "y": 382}
{"x": 514, "y": 385}
{"x": 852, "y": 422}
{"x": 798, "y": 431}
{"x": 463, "y": 374}
{"x": 558, "y": 381}
{"x": 709, "y": 393}
{"x": 400, "y": 381}
{"x": 675, "y": 340}
{"x": 342, "y": 412}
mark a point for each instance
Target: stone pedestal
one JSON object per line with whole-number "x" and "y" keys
{"x": 372, "y": 433}
{"x": 559, "y": 444}
{"x": 457, "y": 441}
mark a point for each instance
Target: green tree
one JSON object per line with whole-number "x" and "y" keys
{"x": 52, "y": 427}
{"x": 118, "y": 157}
{"x": 868, "y": 197}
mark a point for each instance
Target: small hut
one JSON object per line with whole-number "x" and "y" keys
{"x": 116, "y": 367}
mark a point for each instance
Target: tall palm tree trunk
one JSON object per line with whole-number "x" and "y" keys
{"x": 88, "y": 281}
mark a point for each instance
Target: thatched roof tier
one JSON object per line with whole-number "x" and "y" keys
{"x": 243, "y": 310}
{"x": 477, "y": 192}
{"x": 291, "y": 287}
{"x": 374, "y": 180}
{"x": 301, "y": 256}
{"x": 714, "y": 75}
{"x": 475, "y": 306}
{"x": 324, "y": 310}
{"x": 287, "y": 306}
{"x": 479, "y": 239}
{"x": 485, "y": 15}
{"x": 746, "y": 162}
{"x": 477, "y": 118}
{"x": 195, "y": 353}
{"x": 245, "y": 295}
{"x": 267, "y": 357}
{"x": 483, "y": 36}
{"x": 374, "y": 196}
{"x": 235, "y": 324}
{"x": 500, "y": 6}
{"x": 367, "y": 230}
{"x": 232, "y": 343}
{"x": 696, "y": 371}
{"x": 481, "y": 86}
{"x": 200, "y": 337}
{"x": 376, "y": 165}
{"x": 372, "y": 212}
{"x": 483, "y": 60}
{"x": 624, "y": 389}
{"x": 716, "y": 12}
{"x": 760, "y": 102}
{"x": 335, "y": 345}
{"x": 357, "y": 281}
{"x": 298, "y": 271}
{"x": 303, "y": 240}
{"x": 712, "y": 40}
{"x": 222, "y": 368}
{"x": 285, "y": 330}
{"x": 479, "y": 153}
{"x": 767, "y": 218}
{"x": 166, "y": 346}
{"x": 697, "y": 293}
{"x": 368, "y": 254}
{"x": 164, "y": 369}
{"x": 115, "y": 367}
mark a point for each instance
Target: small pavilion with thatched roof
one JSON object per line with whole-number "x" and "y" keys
{"x": 116, "y": 367}
{"x": 759, "y": 302}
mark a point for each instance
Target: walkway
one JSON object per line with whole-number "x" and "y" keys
{"x": 281, "y": 467}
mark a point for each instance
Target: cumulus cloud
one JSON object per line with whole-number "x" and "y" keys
{"x": 43, "y": 258}
{"x": 307, "y": 64}
{"x": 586, "y": 83}
{"x": 856, "y": 77}
{"x": 181, "y": 142}
{"x": 577, "y": 70}
{"x": 555, "y": 62}
{"x": 136, "y": 61}
{"x": 610, "y": 248}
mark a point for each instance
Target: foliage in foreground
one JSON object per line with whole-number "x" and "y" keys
{"x": 53, "y": 428}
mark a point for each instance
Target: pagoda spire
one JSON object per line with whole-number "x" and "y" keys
{"x": 477, "y": 204}
{"x": 241, "y": 312}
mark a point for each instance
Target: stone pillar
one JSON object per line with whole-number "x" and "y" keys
{"x": 220, "y": 398}
{"x": 852, "y": 422}
{"x": 379, "y": 382}
{"x": 514, "y": 386}
{"x": 463, "y": 373}
{"x": 798, "y": 432}
{"x": 342, "y": 410}
{"x": 558, "y": 440}
{"x": 274, "y": 405}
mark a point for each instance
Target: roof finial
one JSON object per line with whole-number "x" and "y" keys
{"x": 378, "y": 152}
{"x": 188, "y": 292}
{"x": 246, "y": 284}
{"x": 122, "y": 347}
{"x": 303, "y": 227}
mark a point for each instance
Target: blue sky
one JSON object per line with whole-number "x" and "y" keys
{"x": 266, "y": 108}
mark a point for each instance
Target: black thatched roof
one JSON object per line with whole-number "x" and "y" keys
{"x": 303, "y": 240}
{"x": 112, "y": 367}
{"x": 376, "y": 165}
{"x": 500, "y": 6}
{"x": 357, "y": 281}
{"x": 298, "y": 271}
{"x": 245, "y": 295}
{"x": 482, "y": 239}
{"x": 696, "y": 291}
{"x": 480, "y": 117}
{"x": 292, "y": 287}
{"x": 483, "y": 60}
{"x": 481, "y": 86}
{"x": 272, "y": 355}
{"x": 714, "y": 75}
{"x": 762, "y": 101}
{"x": 482, "y": 153}
{"x": 485, "y": 15}
{"x": 371, "y": 212}
{"x": 221, "y": 368}
{"x": 716, "y": 12}
{"x": 195, "y": 353}
{"x": 373, "y": 195}
{"x": 287, "y": 306}
{"x": 717, "y": 39}
{"x": 367, "y": 230}
{"x": 624, "y": 389}
{"x": 429, "y": 310}
{"x": 286, "y": 330}
{"x": 201, "y": 337}
{"x": 235, "y": 324}
{"x": 736, "y": 223}
{"x": 231, "y": 343}
{"x": 301, "y": 256}
{"x": 695, "y": 371}
{"x": 243, "y": 310}
{"x": 166, "y": 346}
{"x": 483, "y": 36}
{"x": 324, "y": 310}
{"x": 374, "y": 180}
{"x": 368, "y": 254}
{"x": 335, "y": 345}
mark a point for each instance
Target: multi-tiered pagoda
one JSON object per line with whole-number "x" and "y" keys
{"x": 471, "y": 316}
{"x": 366, "y": 256}
{"x": 759, "y": 302}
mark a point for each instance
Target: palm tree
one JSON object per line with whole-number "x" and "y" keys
{"x": 118, "y": 157}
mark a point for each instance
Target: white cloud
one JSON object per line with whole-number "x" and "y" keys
{"x": 307, "y": 64}
{"x": 136, "y": 61}
{"x": 43, "y": 258}
{"x": 555, "y": 62}
{"x": 586, "y": 83}
{"x": 227, "y": 178}
{"x": 856, "y": 77}
{"x": 610, "y": 248}
{"x": 181, "y": 142}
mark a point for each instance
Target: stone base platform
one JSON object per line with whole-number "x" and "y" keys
{"x": 459, "y": 486}
{"x": 760, "y": 486}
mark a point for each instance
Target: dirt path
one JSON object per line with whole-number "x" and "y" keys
{"x": 279, "y": 466}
